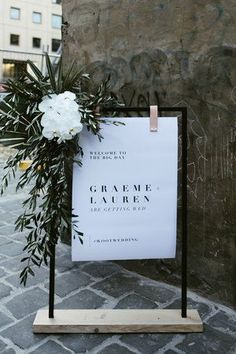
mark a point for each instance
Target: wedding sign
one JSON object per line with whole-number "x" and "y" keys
{"x": 125, "y": 195}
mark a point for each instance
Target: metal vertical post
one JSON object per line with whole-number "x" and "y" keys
{"x": 52, "y": 283}
{"x": 184, "y": 212}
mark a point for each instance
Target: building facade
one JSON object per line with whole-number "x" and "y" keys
{"x": 28, "y": 29}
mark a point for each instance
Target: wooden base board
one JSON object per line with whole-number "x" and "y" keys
{"x": 117, "y": 321}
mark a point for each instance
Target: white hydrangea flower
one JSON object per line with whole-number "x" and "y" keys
{"x": 61, "y": 118}
{"x": 47, "y": 103}
{"x": 67, "y": 95}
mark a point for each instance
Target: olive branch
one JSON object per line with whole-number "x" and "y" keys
{"x": 47, "y": 209}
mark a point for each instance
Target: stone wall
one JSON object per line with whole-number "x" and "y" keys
{"x": 176, "y": 53}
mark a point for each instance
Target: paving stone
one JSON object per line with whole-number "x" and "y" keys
{"x": 9, "y": 351}
{"x": 2, "y": 345}
{"x": 11, "y": 249}
{"x": 18, "y": 211}
{"x": 64, "y": 259}
{"x": 14, "y": 204}
{"x": 222, "y": 321}
{"x": 203, "y": 309}
{"x": 83, "y": 300}
{"x": 2, "y": 258}
{"x": 27, "y": 302}
{"x": 21, "y": 333}
{"x": 4, "y": 241}
{"x": 102, "y": 269}
{"x": 115, "y": 349}
{"x": 19, "y": 236}
{"x": 7, "y": 230}
{"x": 4, "y": 290}
{"x": 82, "y": 343}
{"x": 117, "y": 284}
{"x": 64, "y": 263}
{"x": 41, "y": 276}
{"x": 134, "y": 301}
{"x": 4, "y": 320}
{"x": 11, "y": 264}
{"x": 50, "y": 347}
{"x": 156, "y": 293}
{"x": 208, "y": 342}
{"x": 8, "y": 217}
{"x": 63, "y": 249}
{"x": 147, "y": 343}
{"x": 2, "y": 272}
{"x": 68, "y": 282}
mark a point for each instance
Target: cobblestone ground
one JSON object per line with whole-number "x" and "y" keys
{"x": 93, "y": 285}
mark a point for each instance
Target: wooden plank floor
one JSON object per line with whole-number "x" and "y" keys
{"x": 117, "y": 321}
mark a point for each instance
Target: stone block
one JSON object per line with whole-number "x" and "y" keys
{"x": 117, "y": 284}
{"x": 223, "y": 322}
{"x": 50, "y": 347}
{"x": 2, "y": 345}
{"x": 4, "y": 320}
{"x": 2, "y": 272}
{"x": 7, "y": 230}
{"x": 115, "y": 349}
{"x": 210, "y": 341}
{"x": 82, "y": 343}
{"x": 5, "y": 291}
{"x": 66, "y": 283}
{"x": 12, "y": 249}
{"x": 27, "y": 302}
{"x": 12, "y": 264}
{"x": 18, "y": 236}
{"x": 147, "y": 343}
{"x": 41, "y": 276}
{"x": 2, "y": 258}
{"x": 64, "y": 263}
{"x": 21, "y": 333}
{"x": 101, "y": 269}
{"x": 9, "y": 351}
{"x": 4, "y": 240}
{"x": 85, "y": 299}
{"x": 157, "y": 293}
{"x": 134, "y": 301}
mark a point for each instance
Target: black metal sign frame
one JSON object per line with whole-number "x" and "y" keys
{"x": 184, "y": 214}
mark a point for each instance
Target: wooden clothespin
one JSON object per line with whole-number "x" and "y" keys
{"x": 153, "y": 118}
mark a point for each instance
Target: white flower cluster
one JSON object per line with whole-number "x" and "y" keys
{"x": 61, "y": 118}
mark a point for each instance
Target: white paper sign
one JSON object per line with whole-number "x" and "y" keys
{"x": 126, "y": 192}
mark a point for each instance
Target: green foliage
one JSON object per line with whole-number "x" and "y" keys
{"x": 47, "y": 211}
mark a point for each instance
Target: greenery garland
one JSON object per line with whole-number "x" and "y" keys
{"x": 25, "y": 114}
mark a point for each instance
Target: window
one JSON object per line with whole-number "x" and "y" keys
{"x": 14, "y": 39}
{"x": 56, "y": 21}
{"x": 55, "y": 44}
{"x": 13, "y": 68}
{"x": 56, "y": 2}
{"x": 36, "y": 17}
{"x": 14, "y": 13}
{"x": 36, "y": 42}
